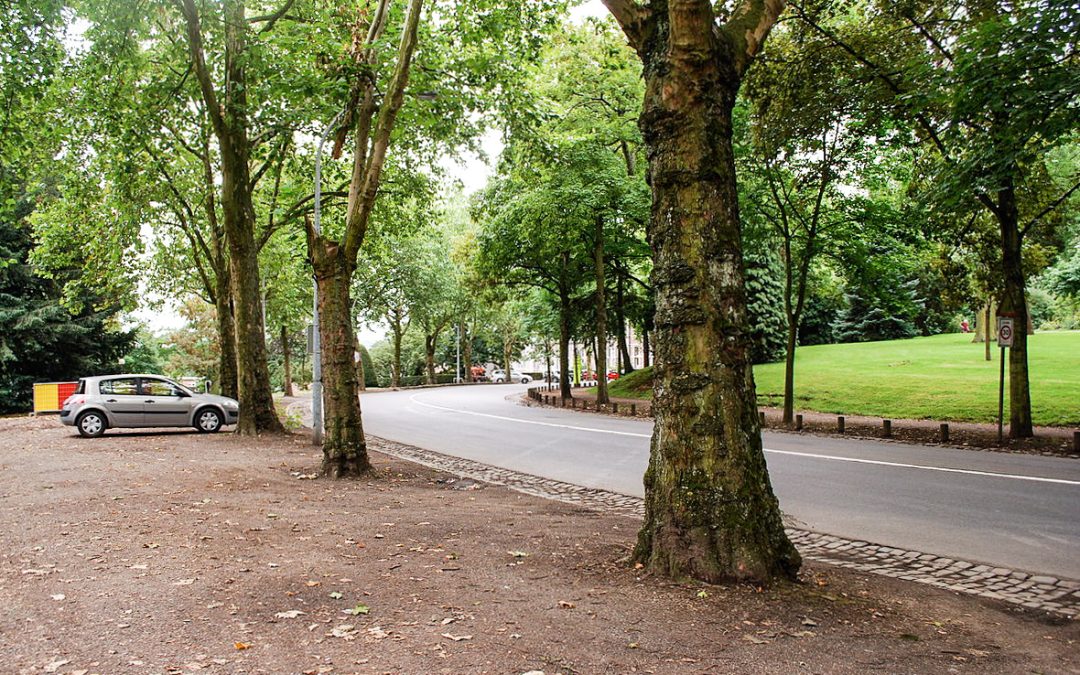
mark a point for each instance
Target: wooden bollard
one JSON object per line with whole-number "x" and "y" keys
{"x": 840, "y": 424}
{"x": 761, "y": 417}
{"x": 614, "y": 408}
{"x": 573, "y": 403}
{"x": 798, "y": 423}
{"x": 562, "y": 402}
{"x": 886, "y": 428}
{"x": 1076, "y": 442}
{"x": 633, "y": 410}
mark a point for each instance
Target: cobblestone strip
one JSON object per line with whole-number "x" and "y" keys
{"x": 1041, "y": 593}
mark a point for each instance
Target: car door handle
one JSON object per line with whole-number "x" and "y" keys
{"x": 110, "y": 400}
{"x": 149, "y": 400}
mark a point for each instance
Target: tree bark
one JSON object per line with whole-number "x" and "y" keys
{"x": 288, "y": 388}
{"x": 344, "y": 448}
{"x": 430, "y": 342}
{"x": 601, "y": 313}
{"x": 710, "y": 512}
{"x": 230, "y": 122}
{"x": 626, "y": 365}
{"x": 226, "y": 335}
{"x": 1014, "y": 304}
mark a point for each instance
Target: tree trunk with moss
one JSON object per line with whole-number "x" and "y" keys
{"x": 229, "y": 117}
{"x": 710, "y": 512}
{"x": 1014, "y": 304}
{"x": 344, "y": 448}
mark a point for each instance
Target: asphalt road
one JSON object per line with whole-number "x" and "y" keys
{"x": 1018, "y": 511}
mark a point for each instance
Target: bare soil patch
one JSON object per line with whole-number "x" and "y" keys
{"x": 185, "y": 553}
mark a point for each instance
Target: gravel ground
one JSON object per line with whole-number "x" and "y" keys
{"x": 174, "y": 552}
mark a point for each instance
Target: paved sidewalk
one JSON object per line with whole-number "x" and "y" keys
{"x": 1040, "y": 593}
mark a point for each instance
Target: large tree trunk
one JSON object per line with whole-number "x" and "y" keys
{"x": 226, "y": 337}
{"x": 230, "y": 123}
{"x": 344, "y": 447}
{"x": 710, "y": 512}
{"x": 288, "y": 388}
{"x": 601, "y": 313}
{"x": 1014, "y": 304}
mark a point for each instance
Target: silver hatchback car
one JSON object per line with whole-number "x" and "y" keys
{"x": 131, "y": 401}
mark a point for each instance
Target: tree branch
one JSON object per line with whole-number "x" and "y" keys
{"x": 272, "y": 19}
{"x": 1050, "y": 208}
{"x": 631, "y": 18}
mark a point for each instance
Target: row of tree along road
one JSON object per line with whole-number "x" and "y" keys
{"x": 201, "y": 118}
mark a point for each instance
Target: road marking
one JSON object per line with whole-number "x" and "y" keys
{"x": 835, "y": 458}
{"x": 970, "y": 472}
{"x": 521, "y": 421}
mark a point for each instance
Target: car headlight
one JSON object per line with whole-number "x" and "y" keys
{"x": 231, "y": 405}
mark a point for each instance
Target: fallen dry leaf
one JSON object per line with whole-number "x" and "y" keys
{"x": 240, "y": 646}
{"x": 456, "y": 638}
{"x": 56, "y": 665}
{"x": 290, "y": 614}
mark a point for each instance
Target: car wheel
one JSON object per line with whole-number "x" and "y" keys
{"x": 91, "y": 424}
{"x": 526, "y": 379}
{"x": 208, "y": 420}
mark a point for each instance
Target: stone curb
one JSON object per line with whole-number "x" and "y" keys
{"x": 1031, "y": 591}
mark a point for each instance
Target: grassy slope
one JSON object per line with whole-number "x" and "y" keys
{"x": 941, "y": 377}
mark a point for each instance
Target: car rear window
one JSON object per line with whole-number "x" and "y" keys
{"x": 123, "y": 386}
{"x": 81, "y": 389}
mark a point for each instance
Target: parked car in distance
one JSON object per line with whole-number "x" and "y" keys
{"x": 136, "y": 401}
{"x": 498, "y": 376}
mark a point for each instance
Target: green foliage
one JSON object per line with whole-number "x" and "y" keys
{"x": 370, "y": 377}
{"x": 43, "y": 341}
{"x": 638, "y": 384}
{"x": 765, "y": 309}
{"x": 943, "y": 377}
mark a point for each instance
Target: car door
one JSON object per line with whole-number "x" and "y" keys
{"x": 165, "y": 404}
{"x": 121, "y": 399}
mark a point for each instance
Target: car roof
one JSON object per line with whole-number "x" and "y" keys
{"x": 96, "y": 378}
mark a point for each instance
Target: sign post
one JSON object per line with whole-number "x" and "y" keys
{"x": 1004, "y": 340}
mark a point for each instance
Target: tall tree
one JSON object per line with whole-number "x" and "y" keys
{"x": 990, "y": 88}
{"x": 227, "y": 106}
{"x": 710, "y": 512}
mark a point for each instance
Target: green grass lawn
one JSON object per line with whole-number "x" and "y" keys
{"x": 943, "y": 377}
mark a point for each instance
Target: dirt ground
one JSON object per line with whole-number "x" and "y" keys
{"x": 184, "y": 553}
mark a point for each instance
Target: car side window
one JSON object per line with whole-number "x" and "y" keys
{"x": 121, "y": 386}
{"x": 159, "y": 388}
